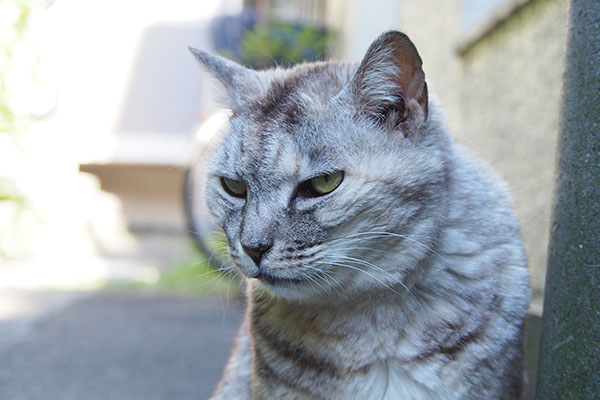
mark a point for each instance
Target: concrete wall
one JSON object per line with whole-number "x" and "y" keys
{"x": 434, "y": 27}
{"x": 509, "y": 97}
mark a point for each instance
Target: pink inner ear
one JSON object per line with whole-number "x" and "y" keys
{"x": 391, "y": 72}
{"x": 417, "y": 89}
{"x": 411, "y": 78}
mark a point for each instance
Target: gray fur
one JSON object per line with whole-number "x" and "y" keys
{"x": 407, "y": 281}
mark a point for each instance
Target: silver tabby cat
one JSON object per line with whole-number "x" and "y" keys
{"x": 383, "y": 261}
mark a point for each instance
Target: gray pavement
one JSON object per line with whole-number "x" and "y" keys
{"x": 119, "y": 346}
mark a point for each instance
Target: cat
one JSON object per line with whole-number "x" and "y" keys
{"x": 383, "y": 261}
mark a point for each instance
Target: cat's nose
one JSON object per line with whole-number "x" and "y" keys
{"x": 256, "y": 251}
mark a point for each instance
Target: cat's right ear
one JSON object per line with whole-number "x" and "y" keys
{"x": 242, "y": 84}
{"x": 389, "y": 85}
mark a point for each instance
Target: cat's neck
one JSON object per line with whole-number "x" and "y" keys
{"x": 394, "y": 320}
{"x": 332, "y": 315}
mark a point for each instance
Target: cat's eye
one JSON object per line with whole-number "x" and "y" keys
{"x": 234, "y": 187}
{"x": 322, "y": 185}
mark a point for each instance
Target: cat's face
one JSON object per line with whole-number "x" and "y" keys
{"x": 314, "y": 190}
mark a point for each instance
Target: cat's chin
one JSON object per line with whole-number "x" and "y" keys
{"x": 274, "y": 280}
{"x": 294, "y": 289}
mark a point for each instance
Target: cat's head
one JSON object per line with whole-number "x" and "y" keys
{"x": 327, "y": 179}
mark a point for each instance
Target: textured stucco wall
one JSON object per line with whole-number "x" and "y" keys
{"x": 434, "y": 26}
{"x": 510, "y": 95}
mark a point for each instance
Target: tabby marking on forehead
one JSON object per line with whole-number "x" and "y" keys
{"x": 404, "y": 279}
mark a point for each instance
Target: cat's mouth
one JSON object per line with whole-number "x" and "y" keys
{"x": 271, "y": 279}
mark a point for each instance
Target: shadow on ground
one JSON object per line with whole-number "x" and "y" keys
{"x": 122, "y": 346}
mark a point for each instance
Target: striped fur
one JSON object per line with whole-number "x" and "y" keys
{"x": 408, "y": 281}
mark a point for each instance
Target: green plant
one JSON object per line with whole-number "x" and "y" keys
{"x": 276, "y": 42}
{"x": 14, "y": 35}
{"x": 15, "y": 41}
{"x": 194, "y": 275}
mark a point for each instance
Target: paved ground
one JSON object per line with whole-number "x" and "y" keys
{"x": 117, "y": 346}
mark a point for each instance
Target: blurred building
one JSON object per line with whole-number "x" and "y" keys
{"x": 162, "y": 106}
{"x": 158, "y": 99}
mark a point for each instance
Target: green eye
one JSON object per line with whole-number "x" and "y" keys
{"x": 233, "y": 187}
{"x": 325, "y": 183}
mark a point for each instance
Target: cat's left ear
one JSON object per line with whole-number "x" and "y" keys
{"x": 242, "y": 84}
{"x": 389, "y": 85}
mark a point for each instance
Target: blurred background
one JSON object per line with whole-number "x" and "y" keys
{"x": 101, "y": 105}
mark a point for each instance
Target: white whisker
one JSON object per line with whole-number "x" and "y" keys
{"x": 363, "y": 271}
{"x": 324, "y": 275}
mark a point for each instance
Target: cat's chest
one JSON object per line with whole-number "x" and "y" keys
{"x": 356, "y": 363}
{"x": 392, "y": 380}
{"x": 384, "y": 380}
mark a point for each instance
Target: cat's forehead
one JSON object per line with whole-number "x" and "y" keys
{"x": 266, "y": 150}
{"x": 291, "y": 124}
{"x": 300, "y": 93}
{"x": 296, "y": 97}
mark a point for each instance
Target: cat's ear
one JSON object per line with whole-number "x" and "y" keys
{"x": 242, "y": 84}
{"x": 389, "y": 85}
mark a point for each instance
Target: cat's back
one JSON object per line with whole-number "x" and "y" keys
{"x": 481, "y": 220}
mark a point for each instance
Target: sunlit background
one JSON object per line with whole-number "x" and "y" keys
{"x": 100, "y": 102}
